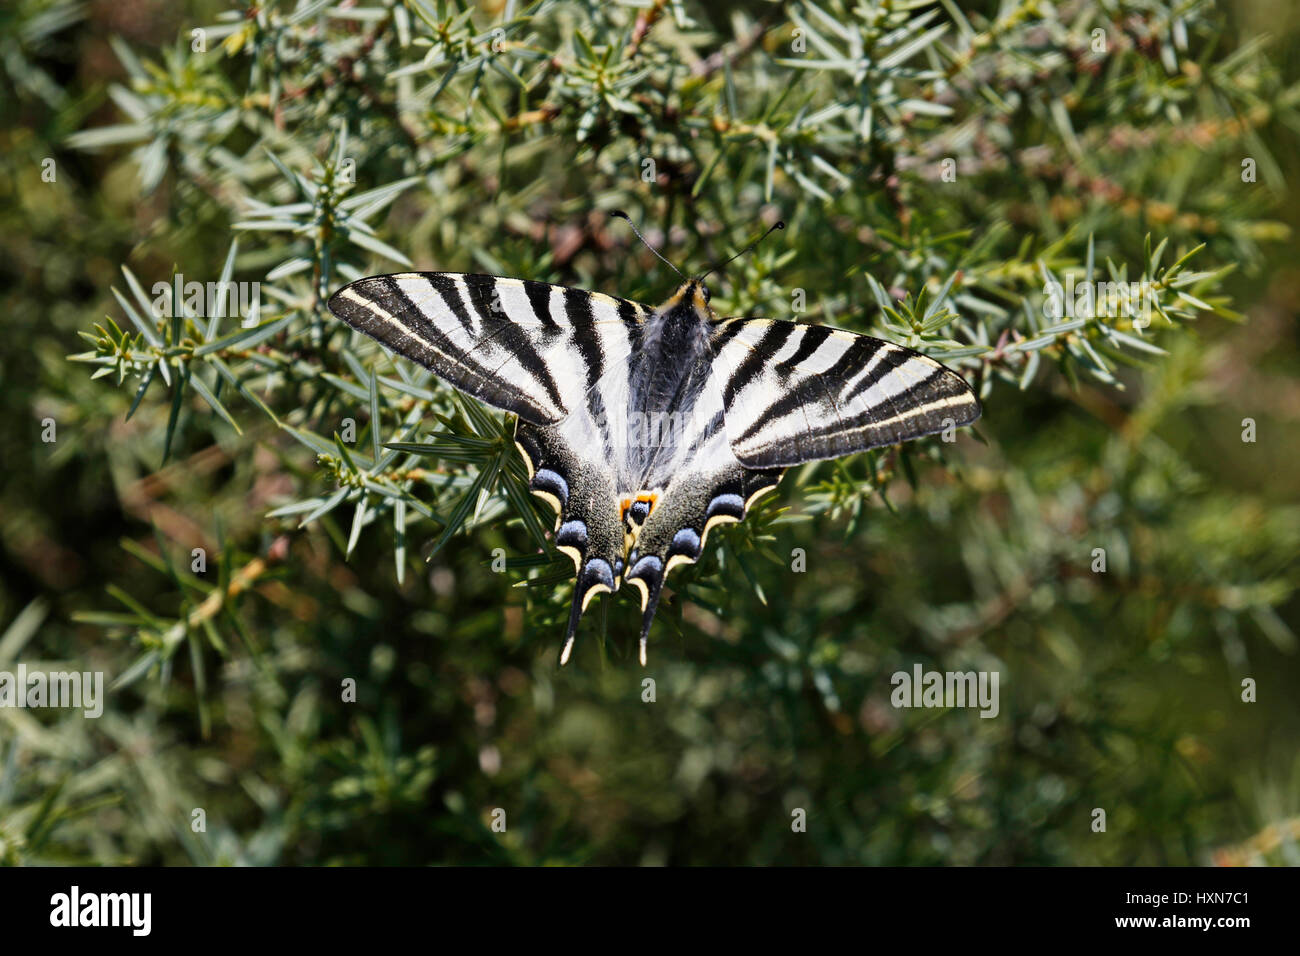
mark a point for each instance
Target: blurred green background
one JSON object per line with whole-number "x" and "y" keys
{"x": 1119, "y": 691}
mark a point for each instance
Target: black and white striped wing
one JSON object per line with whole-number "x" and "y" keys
{"x": 795, "y": 393}
{"x": 527, "y": 347}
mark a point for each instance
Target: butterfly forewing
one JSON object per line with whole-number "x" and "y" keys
{"x": 527, "y": 347}
{"x": 796, "y": 393}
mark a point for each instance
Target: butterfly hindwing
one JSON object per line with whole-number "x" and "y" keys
{"x": 796, "y": 393}
{"x": 527, "y": 347}
{"x": 581, "y": 488}
{"x": 718, "y": 490}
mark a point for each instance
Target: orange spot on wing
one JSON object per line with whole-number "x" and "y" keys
{"x": 649, "y": 497}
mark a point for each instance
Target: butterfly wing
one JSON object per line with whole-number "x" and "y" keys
{"x": 566, "y": 470}
{"x": 795, "y": 393}
{"x": 551, "y": 355}
{"x": 527, "y": 347}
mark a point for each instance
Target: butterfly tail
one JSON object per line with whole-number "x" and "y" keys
{"x": 594, "y": 577}
{"x": 647, "y": 575}
{"x": 571, "y": 633}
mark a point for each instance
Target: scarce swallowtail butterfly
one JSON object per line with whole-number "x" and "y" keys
{"x": 644, "y": 428}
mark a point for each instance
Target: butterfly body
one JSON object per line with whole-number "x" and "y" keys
{"x": 646, "y": 428}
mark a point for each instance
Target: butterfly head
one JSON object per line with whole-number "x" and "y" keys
{"x": 692, "y": 294}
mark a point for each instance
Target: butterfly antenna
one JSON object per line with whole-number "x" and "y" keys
{"x": 780, "y": 224}
{"x": 620, "y": 214}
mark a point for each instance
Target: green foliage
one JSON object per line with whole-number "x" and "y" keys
{"x": 947, "y": 176}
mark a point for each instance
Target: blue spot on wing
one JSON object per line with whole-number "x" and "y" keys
{"x": 598, "y": 571}
{"x": 728, "y": 504}
{"x": 572, "y": 534}
{"x": 552, "y": 482}
{"x": 685, "y": 541}
{"x": 649, "y": 565}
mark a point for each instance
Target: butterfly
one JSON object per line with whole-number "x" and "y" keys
{"x": 642, "y": 427}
